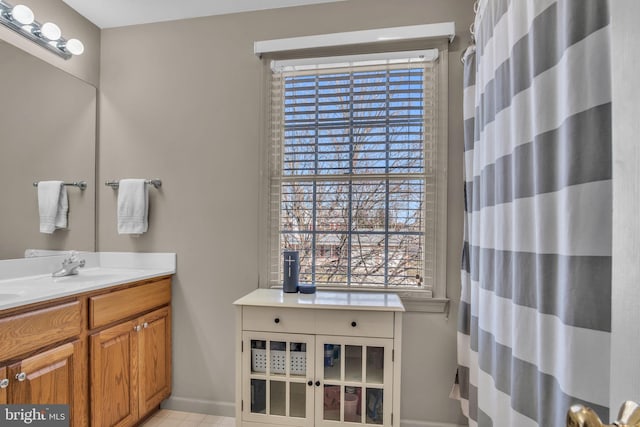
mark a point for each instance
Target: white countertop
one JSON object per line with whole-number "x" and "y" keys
{"x": 340, "y": 300}
{"x": 27, "y": 281}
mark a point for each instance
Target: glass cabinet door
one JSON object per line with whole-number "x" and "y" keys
{"x": 278, "y": 377}
{"x": 355, "y": 376}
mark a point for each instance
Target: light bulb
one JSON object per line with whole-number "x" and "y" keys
{"x": 74, "y": 47}
{"x": 50, "y": 31}
{"x": 22, "y": 14}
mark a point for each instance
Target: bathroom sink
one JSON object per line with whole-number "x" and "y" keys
{"x": 4, "y": 296}
{"x": 28, "y": 284}
{"x": 92, "y": 275}
{"x": 30, "y": 280}
{"x": 33, "y": 286}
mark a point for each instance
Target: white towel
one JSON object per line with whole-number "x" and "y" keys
{"x": 133, "y": 206}
{"x": 53, "y": 206}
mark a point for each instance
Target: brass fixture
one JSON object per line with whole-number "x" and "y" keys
{"x": 582, "y": 416}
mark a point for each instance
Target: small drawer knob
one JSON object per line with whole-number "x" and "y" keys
{"x": 145, "y": 325}
{"x": 317, "y": 383}
{"x": 354, "y": 324}
{"x": 310, "y": 383}
{"x": 137, "y": 328}
{"x": 277, "y": 320}
{"x": 21, "y": 376}
{"x": 4, "y": 383}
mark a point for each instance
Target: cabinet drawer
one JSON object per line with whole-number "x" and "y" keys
{"x": 354, "y": 323}
{"x": 273, "y": 319}
{"x": 36, "y": 329}
{"x": 118, "y": 305}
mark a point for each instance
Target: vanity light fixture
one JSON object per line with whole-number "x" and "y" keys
{"x": 21, "y": 14}
{"x": 49, "y": 31}
{"x": 20, "y": 19}
{"x": 73, "y": 46}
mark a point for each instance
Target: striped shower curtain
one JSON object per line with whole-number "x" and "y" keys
{"x": 535, "y": 311}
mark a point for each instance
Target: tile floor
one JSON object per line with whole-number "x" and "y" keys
{"x": 169, "y": 418}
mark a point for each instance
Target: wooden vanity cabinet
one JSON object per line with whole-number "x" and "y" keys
{"x": 113, "y": 368}
{"x": 54, "y": 376}
{"x": 50, "y": 377}
{"x": 154, "y": 349}
{"x": 130, "y": 362}
{"x": 4, "y": 384}
{"x": 42, "y": 359}
{"x": 106, "y": 353}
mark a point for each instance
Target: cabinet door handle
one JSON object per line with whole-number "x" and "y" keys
{"x": 354, "y": 324}
{"x": 277, "y": 320}
{"x": 310, "y": 383}
{"x": 317, "y": 383}
{"x": 137, "y": 328}
{"x": 145, "y": 325}
{"x": 21, "y": 376}
{"x": 4, "y": 383}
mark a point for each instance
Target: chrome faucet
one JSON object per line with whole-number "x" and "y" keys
{"x": 69, "y": 266}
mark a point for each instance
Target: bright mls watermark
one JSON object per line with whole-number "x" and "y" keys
{"x": 34, "y": 415}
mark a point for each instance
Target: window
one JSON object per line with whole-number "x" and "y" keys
{"x": 354, "y": 173}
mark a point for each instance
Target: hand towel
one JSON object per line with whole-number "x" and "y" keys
{"x": 133, "y": 206}
{"x": 53, "y": 205}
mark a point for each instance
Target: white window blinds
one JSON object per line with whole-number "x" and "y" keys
{"x": 353, "y": 167}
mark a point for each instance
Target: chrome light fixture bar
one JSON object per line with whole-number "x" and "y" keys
{"x": 48, "y": 35}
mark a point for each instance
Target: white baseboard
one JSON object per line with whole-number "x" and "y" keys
{"x": 227, "y": 409}
{"x": 414, "y": 423}
{"x": 224, "y": 409}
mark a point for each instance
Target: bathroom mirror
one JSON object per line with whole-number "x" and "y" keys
{"x": 47, "y": 132}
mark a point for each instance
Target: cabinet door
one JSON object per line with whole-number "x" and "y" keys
{"x": 154, "y": 346}
{"x": 4, "y": 383}
{"x": 114, "y": 370}
{"x": 50, "y": 377}
{"x": 355, "y": 376}
{"x": 277, "y": 378}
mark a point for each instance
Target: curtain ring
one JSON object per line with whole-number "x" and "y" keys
{"x": 476, "y": 6}
{"x": 472, "y": 28}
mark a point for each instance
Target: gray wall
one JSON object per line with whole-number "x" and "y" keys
{"x": 625, "y": 365}
{"x": 181, "y": 101}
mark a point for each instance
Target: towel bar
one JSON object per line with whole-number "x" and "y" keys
{"x": 155, "y": 182}
{"x": 82, "y": 185}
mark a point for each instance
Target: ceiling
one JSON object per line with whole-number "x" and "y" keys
{"x": 118, "y": 13}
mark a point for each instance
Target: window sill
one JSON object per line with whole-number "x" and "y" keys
{"x": 413, "y": 300}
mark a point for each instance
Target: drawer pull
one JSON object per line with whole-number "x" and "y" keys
{"x": 137, "y": 328}
{"x": 354, "y": 324}
{"x": 277, "y": 320}
{"x": 145, "y": 325}
{"x": 4, "y": 383}
{"x": 317, "y": 383}
{"x": 310, "y": 383}
{"x": 21, "y": 376}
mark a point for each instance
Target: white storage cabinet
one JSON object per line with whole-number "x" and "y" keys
{"x": 326, "y": 359}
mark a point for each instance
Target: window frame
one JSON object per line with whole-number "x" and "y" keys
{"x": 429, "y": 300}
